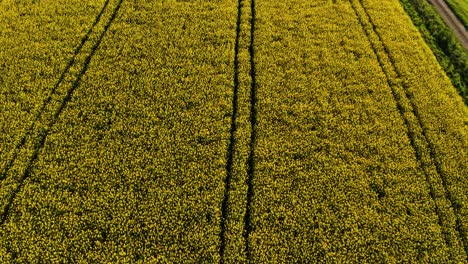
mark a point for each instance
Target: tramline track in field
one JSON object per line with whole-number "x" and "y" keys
{"x": 418, "y": 136}
{"x": 13, "y": 186}
{"x": 232, "y": 138}
{"x": 253, "y": 136}
{"x": 47, "y": 101}
{"x": 249, "y": 107}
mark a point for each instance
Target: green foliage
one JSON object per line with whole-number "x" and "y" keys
{"x": 451, "y": 55}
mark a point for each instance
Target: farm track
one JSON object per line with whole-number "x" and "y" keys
{"x": 427, "y": 146}
{"x": 247, "y": 227}
{"x": 401, "y": 110}
{"x": 253, "y": 138}
{"x": 452, "y": 20}
{"x": 46, "y": 102}
{"x": 232, "y": 138}
{"x": 64, "y": 100}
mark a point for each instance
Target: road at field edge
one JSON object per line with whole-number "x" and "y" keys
{"x": 452, "y": 20}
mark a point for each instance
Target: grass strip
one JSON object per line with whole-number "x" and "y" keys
{"x": 460, "y": 9}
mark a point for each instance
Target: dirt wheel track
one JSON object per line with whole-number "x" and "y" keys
{"x": 452, "y": 20}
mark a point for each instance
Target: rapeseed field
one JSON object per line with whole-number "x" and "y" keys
{"x": 227, "y": 131}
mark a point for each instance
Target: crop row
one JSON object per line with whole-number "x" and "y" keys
{"x": 18, "y": 166}
{"x": 441, "y": 116}
{"x": 32, "y": 60}
{"x": 31, "y": 134}
{"x": 133, "y": 168}
{"x": 336, "y": 171}
{"x": 419, "y": 136}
